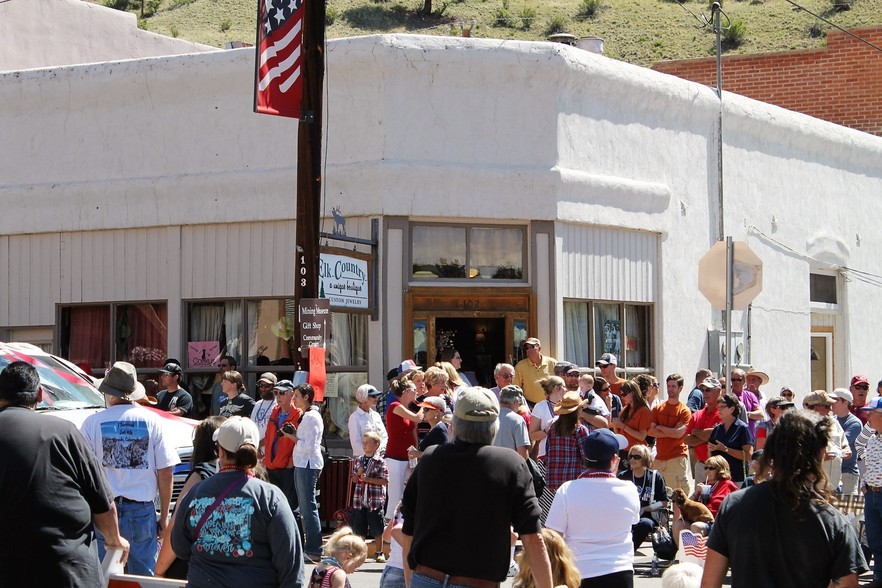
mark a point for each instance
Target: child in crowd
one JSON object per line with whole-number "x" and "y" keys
{"x": 683, "y": 575}
{"x": 563, "y": 565}
{"x": 343, "y": 554}
{"x": 371, "y": 477}
{"x": 393, "y": 573}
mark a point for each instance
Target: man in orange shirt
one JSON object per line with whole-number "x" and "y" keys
{"x": 669, "y": 421}
{"x": 607, "y": 364}
{"x": 702, "y": 423}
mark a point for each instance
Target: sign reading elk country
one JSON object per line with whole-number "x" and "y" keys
{"x": 343, "y": 280}
{"x": 314, "y": 315}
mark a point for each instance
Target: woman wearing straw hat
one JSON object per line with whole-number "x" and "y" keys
{"x": 564, "y": 457}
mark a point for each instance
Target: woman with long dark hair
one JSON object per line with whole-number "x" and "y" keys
{"x": 203, "y": 465}
{"x": 635, "y": 419}
{"x": 234, "y": 529}
{"x": 308, "y": 464}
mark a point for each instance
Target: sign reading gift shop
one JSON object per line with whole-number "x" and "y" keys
{"x": 343, "y": 278}
{"x": 314, "y": 315}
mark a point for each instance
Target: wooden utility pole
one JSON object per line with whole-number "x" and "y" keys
{"x": 309, "y": 161}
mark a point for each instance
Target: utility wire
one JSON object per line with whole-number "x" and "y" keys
{"x": 836, "y": 26}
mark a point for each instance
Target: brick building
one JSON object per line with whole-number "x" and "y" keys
{"x": 841, "y": 83}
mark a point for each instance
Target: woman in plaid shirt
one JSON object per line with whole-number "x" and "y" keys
{"x": 371, "y": 477}
{"x": 564, "y": 457}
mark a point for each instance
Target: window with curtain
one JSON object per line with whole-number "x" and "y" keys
{"x": 85, "y": 337}
{"x": 95, "y": 336}
{"x": 594, "y": 328}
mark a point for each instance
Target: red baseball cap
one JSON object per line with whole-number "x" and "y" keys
{"x": 859, "y": 379}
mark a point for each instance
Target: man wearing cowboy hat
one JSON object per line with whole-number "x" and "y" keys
{"x": 127, "y": 440}
{"x": 753, "y": 380}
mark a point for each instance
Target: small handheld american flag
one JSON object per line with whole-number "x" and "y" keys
{"x": 693, "y": 545}
{"x": 278, "y": 80}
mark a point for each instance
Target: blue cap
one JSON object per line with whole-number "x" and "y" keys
{"x": 601, "y": 444}
{"x": 875, "y": 404}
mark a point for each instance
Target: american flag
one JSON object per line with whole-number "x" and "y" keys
{"x": 278, "y": 80}
{"x": 694, "y": 545}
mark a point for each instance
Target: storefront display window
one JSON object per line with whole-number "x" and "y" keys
{"x": 594, "y": 328}
{"x": 95, "y": 336}
{"x": 473, "y": 253}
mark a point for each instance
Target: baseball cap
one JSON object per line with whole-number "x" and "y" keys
{"x": 859, "y": 379}
{"x": 817, "y": 398}
{"x": 875, "y": 404}
{"x": 477, "y": 405}
{"x": 607, "y": 359}
{"x": 284, "y": 385}
{"x": 602, "y": 444}
{"x": 532, "y": 341}
{"x": 121, "y": 381}
{"x": 235, "y": 432}
{"x": 434, "y": 402}
{"x": 711, "y": 383}
{"x": 172, "y": 368}
{"x": 268, "y": 377}
{"x": 364, "y": 392}
{"x": 562, "y": 367}
{"x": 408, "y": 365}
{"x": 843, "y": 394}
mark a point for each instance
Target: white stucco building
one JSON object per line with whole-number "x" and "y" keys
{"x": 518, "y": 188}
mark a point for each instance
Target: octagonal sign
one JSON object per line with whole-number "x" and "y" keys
{"x": 748, "y": 275}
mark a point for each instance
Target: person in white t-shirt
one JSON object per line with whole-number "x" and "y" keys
{"x": 595, "y": 512}
{"x": 263, "y": 408}
{"x": 128, "y": 441}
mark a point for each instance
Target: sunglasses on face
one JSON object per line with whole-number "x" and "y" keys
{"x": 264, "y": 385}
{"x": 862, "y": 387}
{"x": 635, "y": 457}
{"x": 710, "y": 468}
{"x": 737, "y": 379}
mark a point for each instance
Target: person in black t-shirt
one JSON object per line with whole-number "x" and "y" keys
{"x": 237, "y": 403}
{"x": 455, "y": 473}
{"x": 174, "y": 399}
{"x": 52, "y": 490}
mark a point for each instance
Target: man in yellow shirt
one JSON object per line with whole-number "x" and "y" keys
{"x": 533, "y": 368}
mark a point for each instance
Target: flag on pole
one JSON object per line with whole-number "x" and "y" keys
{"x": 278, "y": 81}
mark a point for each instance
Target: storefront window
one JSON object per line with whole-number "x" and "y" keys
{"x": 215, "y": 329}
{"x": 477, "y": 253}
{"x": 496, "y": 253}
{"x": 271, "y": 332}
{"x": 142, "y": 334}
{"x": 438, "y": 252}
{"x": 95, "y": 336}
{"x": 347, "y": 343}
{"x": 607, "y": 329}
{"x": 519, "y": 331}
{"x": 420, "y": 334}
{"x": 594, "y": 328}
{"x": 85, "y": 337}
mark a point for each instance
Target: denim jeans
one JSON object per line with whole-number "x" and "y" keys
{"x": 873, "y": 522}
{"x": 284, "y": 479}
{"x": 304, "y": 482}
{"x": 420, "y": 581}
{"x": 137, "y": 523}
{"x": 392, "y": 578}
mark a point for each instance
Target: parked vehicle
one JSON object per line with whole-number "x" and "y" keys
{"x": 69, "y": 393}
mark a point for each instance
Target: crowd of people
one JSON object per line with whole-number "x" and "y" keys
{"x": 582, "y": 464}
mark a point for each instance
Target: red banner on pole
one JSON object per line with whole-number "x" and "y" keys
{"x": 317, "y": 376}
{"x": 278, "y": 80}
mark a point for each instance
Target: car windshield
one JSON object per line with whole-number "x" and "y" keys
{"x": 63, "y": 388}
